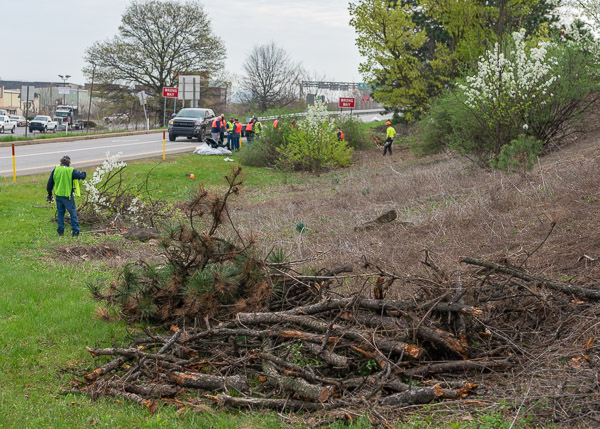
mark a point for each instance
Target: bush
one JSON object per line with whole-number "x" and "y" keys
{"x": 263, "y": 152}
{"x": 537, "y": 91}
{"x": 312, "y": 149}
{"x": 355, "y": 133}
{"x": 520, "y": 155}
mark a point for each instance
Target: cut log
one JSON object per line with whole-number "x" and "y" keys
{"x": 107, "y": 367}
{"x": 569, "y": 289}
{"x": 455, "y": 366}
{"x": 295, "y": 385}
{"x": 209, "y": 382}
{"x": 384, "y": 344}
{"x": 330, "y": 357}
{"x": 276, "y": 404}
{"x": 150, "y": 390}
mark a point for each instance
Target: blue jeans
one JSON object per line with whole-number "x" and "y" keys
{"x": 230, "y": 141}
{"x": 235, "y": 141}
{"x": 67, "y": 204}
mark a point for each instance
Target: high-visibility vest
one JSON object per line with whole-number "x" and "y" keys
{"x": 230, "y": 126}
{"x": 64, "y": 185}
{"x": 391, "y": 132}
{"x": 341, "y": 134}
{"x": 258, "y": 127}
{"x": 238, "y": 127}
{"x": 275, "y": 123}
{"x": 216, "y": 123}
{"x": 249, "y": 126}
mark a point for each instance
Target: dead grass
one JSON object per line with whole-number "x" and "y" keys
{"x": 445, "y": 206}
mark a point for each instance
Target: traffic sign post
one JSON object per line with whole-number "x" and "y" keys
{"x": 168, "y": 92}
{"x": 346, "y": 102}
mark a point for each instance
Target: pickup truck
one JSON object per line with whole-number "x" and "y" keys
{"x": 42, "y": 123}
{"x": 191, "y": 123}
{"x": 7, "y": 124}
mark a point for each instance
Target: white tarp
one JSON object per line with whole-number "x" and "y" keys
{"x": 205, "y": 149}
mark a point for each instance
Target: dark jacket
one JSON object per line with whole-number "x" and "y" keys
{"x": 77, "y": 175}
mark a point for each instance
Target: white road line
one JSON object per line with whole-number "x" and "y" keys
{"x": 86, "y": 161}
{"x": 85, "y": 149}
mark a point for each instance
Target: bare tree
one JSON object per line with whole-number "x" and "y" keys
{"x": 156, "y": 40}
{"x": 272, "y": 79}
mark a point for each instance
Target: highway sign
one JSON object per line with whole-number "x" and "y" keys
{"x": 346, "y": 102}
{"x": 170, "y": 92}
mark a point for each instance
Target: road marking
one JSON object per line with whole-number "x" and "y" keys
{"x": 156, "y": 152}
{"x": 86, "y": 148}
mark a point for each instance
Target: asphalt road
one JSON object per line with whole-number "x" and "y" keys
{"x": 20, "y": 131}
{"x": 43, "y": 157}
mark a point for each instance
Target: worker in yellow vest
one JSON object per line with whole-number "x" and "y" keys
{"x": 390, "y": 133}
{"x": 257, "y": 128}
{"x": 64, "y": 179}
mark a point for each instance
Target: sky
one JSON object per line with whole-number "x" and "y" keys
{"x": 44, "y": 39}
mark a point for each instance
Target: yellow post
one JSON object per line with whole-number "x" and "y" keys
{"x": 14, "y": 169}
{"x": 163, "y": 145}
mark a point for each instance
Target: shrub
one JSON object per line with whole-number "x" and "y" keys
{"x": 537, "y": 91}
{"x": 314, "y": 151}
{"x": 355, "y": 133}
{"x": 519, "y": 155}
{"x": 263, "y": 152}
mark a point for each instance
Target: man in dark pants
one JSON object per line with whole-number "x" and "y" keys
{"x": 64, "y": 179}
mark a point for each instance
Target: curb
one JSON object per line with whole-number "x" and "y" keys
{"x": 77, "y": 137}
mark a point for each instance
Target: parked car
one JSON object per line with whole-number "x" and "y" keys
{"x": 191, "y": 123}
{"x": 42, "y": 123}
{"x": 7, "y": 124}
{"x": 20, "y": 120}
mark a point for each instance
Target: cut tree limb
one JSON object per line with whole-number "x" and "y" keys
{"x": 569, "y": 289}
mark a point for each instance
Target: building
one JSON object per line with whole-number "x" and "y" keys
{"x": 10, "y": 101}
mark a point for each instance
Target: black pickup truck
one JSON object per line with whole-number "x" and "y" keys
{"x": 191, "y": 123}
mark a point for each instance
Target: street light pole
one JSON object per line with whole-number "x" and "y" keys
{"x": 64, "y": 78}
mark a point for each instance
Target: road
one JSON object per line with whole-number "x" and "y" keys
{"x": 20, "y": 131}
{"x": 39, "y": 158}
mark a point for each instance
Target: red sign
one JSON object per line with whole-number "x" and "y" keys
{"x": 169, "y": 92}
{"x": 346, "y": 102}
{"x": 366, "y": 99}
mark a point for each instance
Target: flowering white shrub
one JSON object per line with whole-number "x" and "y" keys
{"x": 510, "y": 84}
{"x": 94, "y": 195}
{"x": 317, "y": 116}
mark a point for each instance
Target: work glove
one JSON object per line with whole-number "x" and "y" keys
{"x": 49, "y": 199}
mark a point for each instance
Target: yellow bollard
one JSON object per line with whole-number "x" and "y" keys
{"x": 14, "y": 169}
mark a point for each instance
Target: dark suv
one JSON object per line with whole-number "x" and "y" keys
{"x": 191, "y": 123}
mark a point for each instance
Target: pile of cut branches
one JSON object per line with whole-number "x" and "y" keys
{"x": 258, "y": 333}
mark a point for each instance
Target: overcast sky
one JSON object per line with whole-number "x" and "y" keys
{"x": 43, "y": 38}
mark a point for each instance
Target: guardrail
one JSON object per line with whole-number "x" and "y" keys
{"x": 332, "y": 113}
